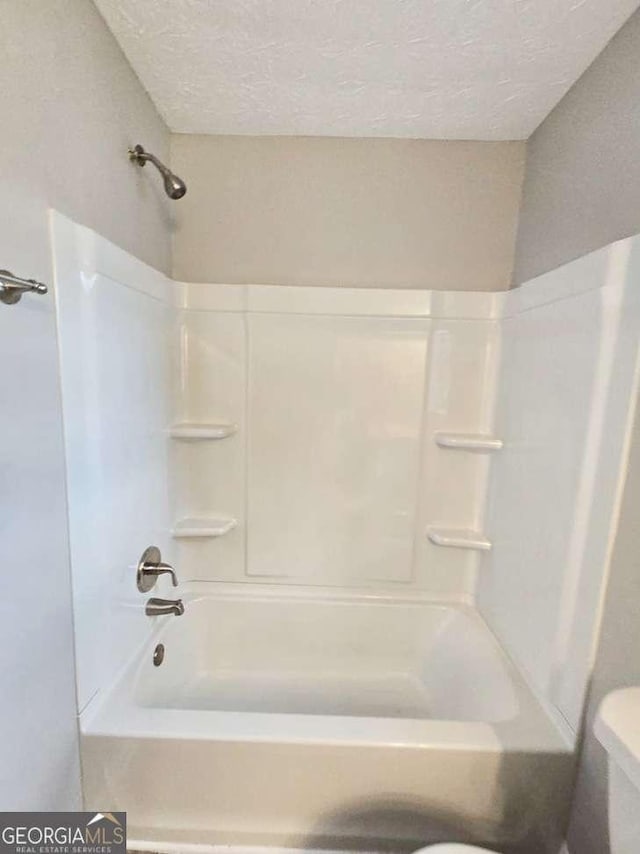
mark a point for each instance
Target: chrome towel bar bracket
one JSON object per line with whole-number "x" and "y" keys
{"x": 12, "y": 287}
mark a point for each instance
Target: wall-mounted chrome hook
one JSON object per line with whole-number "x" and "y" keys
{"x": 12, "y": 287}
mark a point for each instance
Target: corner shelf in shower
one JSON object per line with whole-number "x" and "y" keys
{"x": 193, "y": 432}
{"x": 458, "y": 538}
{"x": 202, "y": 528}
{"x": 468, "y": 442}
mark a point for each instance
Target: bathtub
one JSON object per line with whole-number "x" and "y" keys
{"x": 316, "y": 720}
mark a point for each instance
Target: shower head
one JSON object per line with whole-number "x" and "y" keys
{"x": 174, "y": 187}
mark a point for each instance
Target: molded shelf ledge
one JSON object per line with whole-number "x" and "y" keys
{"x": 191, "y": 432}
{"x": 458, "y": 538}
{"x": 468, "y": 441}
{"x": 202, "y": 528}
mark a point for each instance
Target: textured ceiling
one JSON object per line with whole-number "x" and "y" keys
{"x": 440, "y": 69}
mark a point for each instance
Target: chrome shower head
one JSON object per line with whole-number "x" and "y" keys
{"x": 174, "y": 187}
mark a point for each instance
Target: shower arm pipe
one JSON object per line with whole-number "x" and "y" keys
{"x": 140, "y": 156}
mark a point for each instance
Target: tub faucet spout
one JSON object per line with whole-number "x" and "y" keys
{"x": 157, "y": 607}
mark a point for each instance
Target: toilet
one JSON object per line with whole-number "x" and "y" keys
{"x": 454, "y": 848}
{"x": 616, "y": 728}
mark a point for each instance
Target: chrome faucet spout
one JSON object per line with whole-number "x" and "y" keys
{"x": 158, "y": 607}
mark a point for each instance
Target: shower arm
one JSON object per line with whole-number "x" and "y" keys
{"x": 140, "y": 156}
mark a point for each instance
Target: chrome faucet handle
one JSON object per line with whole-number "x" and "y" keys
{"x": 160, "y": 607}
{"x": 150, "y": 566}
{"x": 161, "y": 569}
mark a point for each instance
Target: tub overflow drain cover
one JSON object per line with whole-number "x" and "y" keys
{"x": 158, "y": 655}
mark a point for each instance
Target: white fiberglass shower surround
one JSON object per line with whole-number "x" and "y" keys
{"x": 390, "y": 514}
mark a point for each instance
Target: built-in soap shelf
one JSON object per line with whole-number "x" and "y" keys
{"x": 203, "y": 528}
{"x": 188, "y": 431}
{"x": 468, "y": 441}
{"x": 459, "y": 538}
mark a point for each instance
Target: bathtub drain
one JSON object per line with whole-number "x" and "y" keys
{"x": 158, "y": 655}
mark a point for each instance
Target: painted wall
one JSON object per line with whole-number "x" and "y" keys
{"x": 582, "y": 180}
{"x": 354, "y": 212}
{"x": 73, "y": 106}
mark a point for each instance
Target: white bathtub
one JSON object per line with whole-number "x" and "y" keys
{"x": 301, "y": 720}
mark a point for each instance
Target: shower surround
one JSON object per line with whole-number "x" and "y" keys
{"x": 390, "y": 513}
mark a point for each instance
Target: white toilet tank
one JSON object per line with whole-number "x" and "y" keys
{"x": 617, "y": 728}
{"x": 624, "y": 812}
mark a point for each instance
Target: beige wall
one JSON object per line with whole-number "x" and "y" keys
{"x": 359, "y": 212}
{"x": 582, "y": 183}
{"x": 70, "y": 106}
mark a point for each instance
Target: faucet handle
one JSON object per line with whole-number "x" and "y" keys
{"x": 154, "y": 570}
{"x": 159, "y": 607}
{"x": 150, "y": 566}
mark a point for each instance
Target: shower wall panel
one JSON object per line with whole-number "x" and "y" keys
{"x": 567, "y": 388}
{"x": 332, "y": 475}
{"x": 208, "y": 477}
{"x": 115, "y": 330}
{"x": 333, "y": 462}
